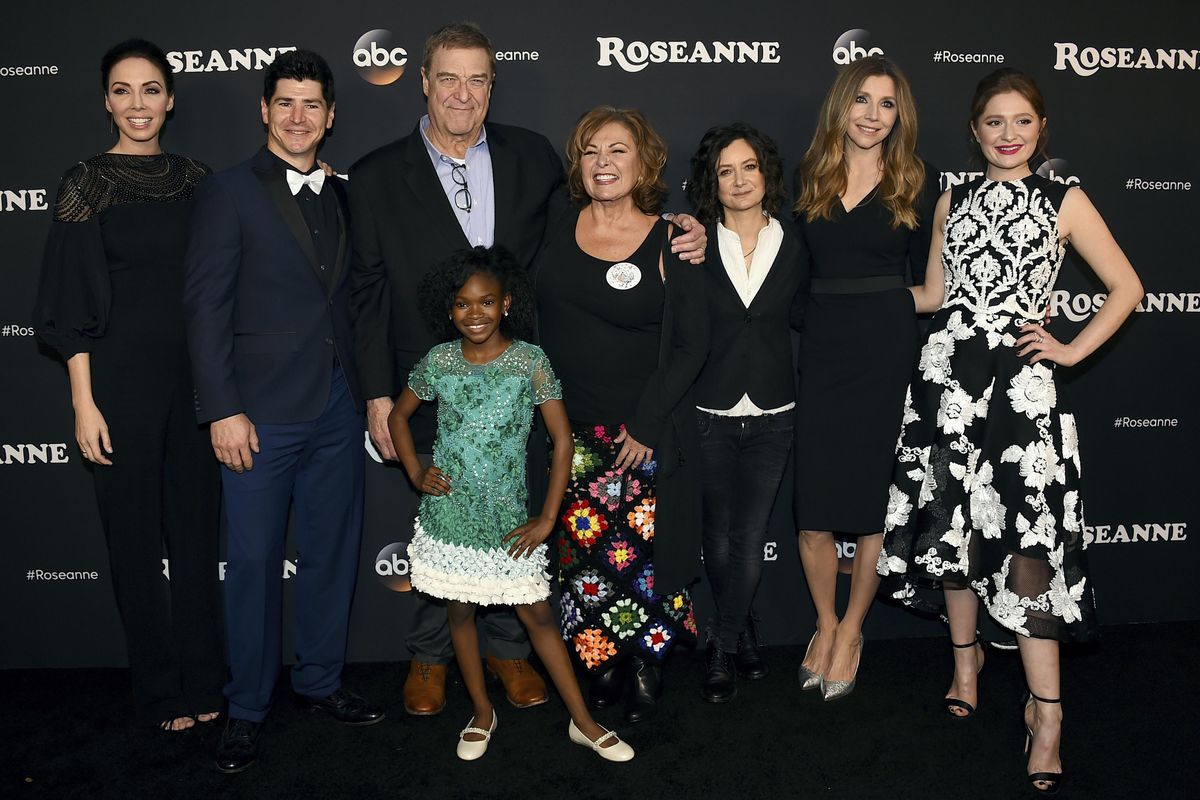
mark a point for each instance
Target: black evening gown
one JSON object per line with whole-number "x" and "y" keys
{"x": 112, "y": 286}
{"x": 856, "y": 355}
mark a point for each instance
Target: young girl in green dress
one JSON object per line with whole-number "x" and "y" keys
{"x": 473, "y": 542}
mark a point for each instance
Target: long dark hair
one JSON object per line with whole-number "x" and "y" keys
{"x": 439, "y": 287}
{"x": 702, "y": 188}
{"x": 136, "y": 48}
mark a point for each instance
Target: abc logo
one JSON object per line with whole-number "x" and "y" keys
{"x": 376, "y": 60}
{"x": 853, "y": 45}
{"x": 846, "y": 548}
{"x": 391, "y": 567}
{"x": 1057, "y": 169}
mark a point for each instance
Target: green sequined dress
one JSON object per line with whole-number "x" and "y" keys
{"x": 484, "y": 416}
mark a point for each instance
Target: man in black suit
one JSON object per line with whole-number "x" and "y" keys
{"x": 267, "y": 302}
{"x": 453, "y": 182}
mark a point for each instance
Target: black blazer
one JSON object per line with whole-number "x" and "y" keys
{"x": 750, "y": 349}
{"x": 404, "y": 226}
{"x": 263, "y": 327}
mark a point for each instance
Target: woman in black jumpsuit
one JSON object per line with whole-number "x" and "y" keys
{"x": 109, "y": 302}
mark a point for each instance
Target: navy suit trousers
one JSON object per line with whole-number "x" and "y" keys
{"x": 316, "y": 469}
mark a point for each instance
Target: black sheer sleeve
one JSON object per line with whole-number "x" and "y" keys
{"x": 684, "y": 349}
{"x": 919, "y": 242}
{"x": 74, "y": 293}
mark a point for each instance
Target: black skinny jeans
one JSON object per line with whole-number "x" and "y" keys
{"x": 744, "y": 459}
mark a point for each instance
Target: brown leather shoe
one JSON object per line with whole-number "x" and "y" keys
{"x": 425, "y": 689}
{"x": 522, "y": 685}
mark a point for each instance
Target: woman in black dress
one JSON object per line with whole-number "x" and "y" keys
{"x": 864, "y": 205}
{"x": 756, "y": 266}
{"x": 623, "y": 324}
{"x": 109, "y": 303}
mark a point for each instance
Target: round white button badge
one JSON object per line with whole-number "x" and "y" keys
{"x": 623, "y": 276}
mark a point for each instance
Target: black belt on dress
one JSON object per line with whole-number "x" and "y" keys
{"x": 874, "y": 283}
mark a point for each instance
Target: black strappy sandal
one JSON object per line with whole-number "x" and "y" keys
{"x": 1053, "y": 780}
{"x": 953, "y": 702}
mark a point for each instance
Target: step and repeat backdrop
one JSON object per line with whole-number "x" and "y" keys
{"x": 1120, "y": 80}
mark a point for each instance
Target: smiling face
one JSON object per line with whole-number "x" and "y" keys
{"x": 458, "y": 89}
{"x": 478, "y": 306}
{"x": 609, "y": 163}
{"x": 138, "y": 100}
{"x": 872, "y": 113}
{"x": 1008, "y": 131}
{"x": 740, "y": 184}
{"x": 297, "y": 118}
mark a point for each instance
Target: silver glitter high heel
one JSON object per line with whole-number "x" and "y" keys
{"x": 836, "y": 690}
{"x": 808, "y": 678}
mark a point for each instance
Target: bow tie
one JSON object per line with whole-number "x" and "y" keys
{"x": 313, "y": 180}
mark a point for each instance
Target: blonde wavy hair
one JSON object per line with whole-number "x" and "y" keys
{"x": 823, "y": 170}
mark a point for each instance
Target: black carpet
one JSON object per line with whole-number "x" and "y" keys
{"x": 1130, "y": 731}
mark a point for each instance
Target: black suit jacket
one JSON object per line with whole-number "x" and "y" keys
{"x": 751, "y": 348}
{"x": 404, "y": 226}
{"x": 263, "y": 326}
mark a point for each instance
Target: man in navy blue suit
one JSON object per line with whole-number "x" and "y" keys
{"x": 269, "y": 334}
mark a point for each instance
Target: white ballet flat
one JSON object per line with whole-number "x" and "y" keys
{"x": 469, "y": 750}
{"x": 617, "y": 752}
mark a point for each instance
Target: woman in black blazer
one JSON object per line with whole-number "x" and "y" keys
{"x": 757, "y": 269}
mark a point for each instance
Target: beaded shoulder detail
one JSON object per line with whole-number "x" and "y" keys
{"x": 110, "y": 179}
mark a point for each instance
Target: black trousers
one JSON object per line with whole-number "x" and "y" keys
{"x": 161, "y": 498}
{"x": 744, "y": 459}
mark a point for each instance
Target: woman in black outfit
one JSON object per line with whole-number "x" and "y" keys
{"x": 109, "y": 302}
{"x": 745, "y": 396}
{"x": 623, "y": 324}
{"x": 864, "y": 206}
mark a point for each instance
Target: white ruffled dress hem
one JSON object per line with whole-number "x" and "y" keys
{"x": 469, "y": 575}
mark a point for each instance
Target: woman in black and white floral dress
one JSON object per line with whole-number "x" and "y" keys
{"x": 985, "y": 498}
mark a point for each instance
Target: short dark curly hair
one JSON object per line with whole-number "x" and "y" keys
{"x": 299, "y": 65}
{"x": 702, "y": 188}
{"x": 440, "y": 285}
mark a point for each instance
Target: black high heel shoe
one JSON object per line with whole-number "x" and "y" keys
{"x": 645, "y": 687}
{"x": 1052, "y": 780}
{"x": 606, "y": 689}
{"x": 953, "y": 702}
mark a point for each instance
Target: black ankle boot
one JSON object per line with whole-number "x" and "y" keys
{"x": 749, "y": 661}
{"x": 719, "y": 682}
{"x": 606, "y": 688}
{"x": 645, "y": 686}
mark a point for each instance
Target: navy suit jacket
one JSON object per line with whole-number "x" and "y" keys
{"x": 264, "y": 327}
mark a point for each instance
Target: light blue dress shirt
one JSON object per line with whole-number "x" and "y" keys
{"x": 478, "y": 224}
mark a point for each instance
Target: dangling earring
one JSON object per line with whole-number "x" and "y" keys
{"x": 506, "y": 312}
{"x": 112, "y": 127}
